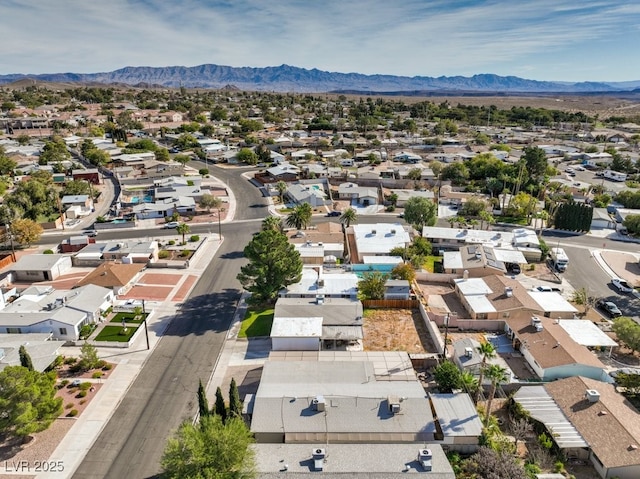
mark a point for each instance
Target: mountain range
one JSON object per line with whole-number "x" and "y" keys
{"x": 286, "y": 78}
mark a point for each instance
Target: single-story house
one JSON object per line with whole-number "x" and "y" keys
{"x": 296, "y": 334}
{"x": 397, "y": 289}
{"x": 602, "y": 219}
{"x": 588, "y": 420}
{"x": 362, "y": 195}
{"x": 376, "y": 239}
{"x": 40, "y": 348}
{"x": 457, "y": 421}
{"x": 467, "y": 358}
{"x": 119, "y": 277}
{"x": 41, "y": 267}
{"x": 59, "y": 313}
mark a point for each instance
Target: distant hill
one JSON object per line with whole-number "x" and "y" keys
{"x": 286, "y": 78}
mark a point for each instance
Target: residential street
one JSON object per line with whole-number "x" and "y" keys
{"x": 164, "y": 394}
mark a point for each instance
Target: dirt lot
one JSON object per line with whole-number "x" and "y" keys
{"x": 396, "y": 330}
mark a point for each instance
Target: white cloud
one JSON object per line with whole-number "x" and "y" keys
{"x": 547, "y": 39}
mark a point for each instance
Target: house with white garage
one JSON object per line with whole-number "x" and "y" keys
{"x": 340, "y": 325}
{"x": 360, "y": 195}
{"x": 481, "y": 260}
{"x": 41, "y": 267}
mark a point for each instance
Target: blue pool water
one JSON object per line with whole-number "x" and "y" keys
{"x": 119, "y": 221}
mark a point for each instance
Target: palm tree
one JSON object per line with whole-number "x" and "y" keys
{"x": 183, "y": 229}
{"x": 498, "y": 375}
{"x": 272, "y": 223}
{"x": 281, "y": 186}
{"x": 300, "y": 217}
{"x": 469, "y": 382}
{"x": 349, "y": 216}
{"x": 488, "y": 352}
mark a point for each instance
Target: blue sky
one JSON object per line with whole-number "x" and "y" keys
{"x": 563, "y": 40}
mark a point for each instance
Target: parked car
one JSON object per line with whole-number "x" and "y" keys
{"x": 580, "y": 168}
{"x": 514, "y": 268}
{"x": 172, "y": 224}
{"x": 622, "y": 285}
{"x": 609, "y": 307}
{"x": 334, "y": 213}
{"x": 90, "y": 233}
{"x": 548, "y": 289}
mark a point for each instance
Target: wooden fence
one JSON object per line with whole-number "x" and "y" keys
{"x": 390, "y": 303}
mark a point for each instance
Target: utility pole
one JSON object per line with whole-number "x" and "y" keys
{"x": 146, "y": 331}
{"x": 446, "y": 334}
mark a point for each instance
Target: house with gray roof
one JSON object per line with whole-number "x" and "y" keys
{"x": 335, "y": 400}
{"x": 42, "y": 350}
{"x": 361, "y": 195}
{"x": 337, "y": 322}
{"x": 60, "y": 313}
{"x": 457, "y": 421}
{"x": 41, "y": 267}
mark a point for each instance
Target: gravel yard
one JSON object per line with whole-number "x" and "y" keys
{"x": 396, "y": 330}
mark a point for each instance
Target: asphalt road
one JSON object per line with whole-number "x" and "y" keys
{"x": 584, "y": 272}
{"x": 164, "y": 393}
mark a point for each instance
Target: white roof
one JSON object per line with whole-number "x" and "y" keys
{"x": 296, "y": 327}
{"x": 381, "y": 260}
{"x": 480, "y": 304}
{"x": 386, "y": 237}
{"x": 473, "y": 286}
{"x": 468, "y": 235}
{"x": 452, "y": 260}
{"x": 335, "y": 284}
{"x": 509, "y": 256}
{"x": 552, "y": 301}
{"x": 586, "y": 333}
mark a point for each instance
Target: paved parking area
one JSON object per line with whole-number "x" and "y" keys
{"x": 160, "y": 278}
{"x": 625, "y": 265}
{"x": 151, "y": 293}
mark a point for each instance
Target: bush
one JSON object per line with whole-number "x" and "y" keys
{"x": 97, "y": 375}
{"x": 203, "y": 171}
{"x": 101, "y": 364}
{"x": 194, "y": 238}
{"x": 185, "y": 253}
{"x": 72, "y": 413}
{"x": 163, "y": 254}
{"x": 47, "y": 251}
{"x": 107, "y": 367}
{"x": 76, "y": 368}
{"x": 85, "y": 385}
{"x": 81, "y": 394}
{"x": 171, "y": 242}
{"x": 64, "y": 382}
{"x": 68, "y": 405}
{"x": 70, "y": 360}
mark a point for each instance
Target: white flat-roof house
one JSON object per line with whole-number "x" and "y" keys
{"x": 376, "y": 239}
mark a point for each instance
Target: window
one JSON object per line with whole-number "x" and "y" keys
{"x": 14, "y": 331}
{"x": 482, "y": 316}
{"x": 63, "y": 331}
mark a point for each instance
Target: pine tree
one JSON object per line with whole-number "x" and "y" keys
{"x": 25, "y": 359}
{"x": 203, "y": 404}
{"x": 235, "y": 405}
{"x": 220, "y": 408}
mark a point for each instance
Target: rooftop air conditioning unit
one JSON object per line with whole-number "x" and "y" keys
{"x": 394, "y": 404}
{"x": 318, "y": 455}
{"x": 468, "y": 352}
{"x": 319, "y": 403}
{"x": 592, "y": 395}
{"x": 424, "y": 458}
{"x": 508, "y": 292}
{"x": 373, "y": 232}
{"x": 393, "y": 232}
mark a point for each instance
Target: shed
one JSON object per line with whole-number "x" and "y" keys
{"x": 41, "y": 267}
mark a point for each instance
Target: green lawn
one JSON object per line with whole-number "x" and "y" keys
{"x": 128, "y": 318}
{"x": 256, "y": 323}
{"x": 429, "y": 263}
{"x": 112, "y": 333}
{"x": 512, "y": 220}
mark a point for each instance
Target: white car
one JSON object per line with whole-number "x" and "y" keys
{"x": 172, "y": 224}
{"x": 622, "y": 285}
